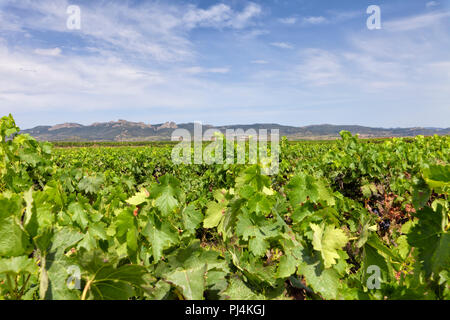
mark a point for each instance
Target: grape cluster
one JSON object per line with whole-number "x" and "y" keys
{"x": 385, "y": 224}
{"x": 377, "y": 212}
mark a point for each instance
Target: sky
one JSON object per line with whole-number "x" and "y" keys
{"x": 292, "y": 62}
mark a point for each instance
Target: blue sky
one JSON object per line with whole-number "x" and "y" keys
{"x": 293, "y": 62}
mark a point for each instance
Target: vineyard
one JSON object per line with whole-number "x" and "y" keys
{"x": 345, "y": 220}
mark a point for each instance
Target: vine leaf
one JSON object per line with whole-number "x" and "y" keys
{"x": 328, "y": 240}
{"x": 166, "y": 194}
{"x": 191, "y": 281}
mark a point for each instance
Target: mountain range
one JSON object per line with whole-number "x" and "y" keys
{"x": 123, "y": 130}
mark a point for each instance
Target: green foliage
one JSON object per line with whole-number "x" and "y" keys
{"x": 328, "y": 240}
{"x": 127, "y": 223}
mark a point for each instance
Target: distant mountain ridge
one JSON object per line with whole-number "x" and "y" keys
{"x": 123, "y": 130}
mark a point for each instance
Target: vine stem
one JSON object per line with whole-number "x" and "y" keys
{"x": 22, "y": 291}
{"x": 86, "y": 289}
{"x": 180, "y": 296}
{"x": 9, "y": 283}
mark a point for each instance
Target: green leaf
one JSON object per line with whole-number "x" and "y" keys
{"x": 368, "y": 190}
{"x": 89, "y": 242}
{"x": 252, "y": 176}
{"x": 13, "y": 240}
{"x": 238, "y": 290}
{"x": 91, "y": 185}
{"x": 138, "y": 198}
{"x": 403, "y": 247}
{"x": 376, "y": 243}
{"x": 214, "y": 214}
{"x": 440, "y": 260}
{"x": 427, "y": 235}
{"x": 166, "y": 194}
{"x": 287, "y": 266}
{"x": 58, "y": 267}
{"x": 421, "y": 194}
{"x": 132, "y": 239}
{"x": 328, "y": 240}
{"x": 245, "y": 228}
{"x": 323, "y": 281}
{"x": 161, "y": 236}
{"x": 98, "y": 230}
{"x": 191, "y": 218}
{"x": 78, "y": 214}
{"x": 190, "y": 281}
{"x": 29, "y": 157}
{"x": 126, "y": 229}
{"x": 111, "y": 283}
{"x": 301, "y": 188}
{"x": 437, "y": 176}
{"x": 258, "y": 246}
{"x": 108, "y": 281}
{"x": 227, "y": 225}
{"x": 18, "y": 265}
{"x": 367, "y": 229}
{"x": 371, "y": 257}
{"x": 325, "y": 193}
{"x": 160, "y": 290}
{"x": 30, "y": 222}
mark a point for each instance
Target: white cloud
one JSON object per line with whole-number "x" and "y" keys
{"x": 31, "y": 82}
{"x": 431, "y": 4}
{"x": 48, "y": 52}
{"x": 9, "y": 22}
{"x": 199, "y": 70}
{"x": 315, "y": 20}
{"x": 221, "y": 15}
{"x": 320, "y": 67}
{"x": 288, "y": 20}
{"x": 417, "y": 22}
{"x": 396, "y": 64}
{"x": 150, "y": 30}
{"x": 34, "y": 75}
{"x": 252, "y": 34}
{"x": 333, "y": 17}
{"x": 341, "y": 16}
{"x": 282, "y": 45}
{"x": 259, "y": 62}
{"x": 140, "y": 55}
{"x": 242, "y": 19}
{"x": 214, "y": 16}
